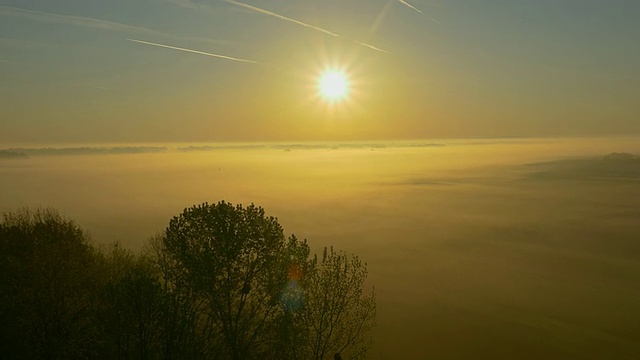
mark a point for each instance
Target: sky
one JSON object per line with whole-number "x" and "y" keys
{"x": 69, "y": 72}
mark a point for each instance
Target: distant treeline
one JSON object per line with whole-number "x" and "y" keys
{"x": 83, "y": 150}
{"x": 309, "y": 146}
{"x": 24, "y": 152}
{"x": 221, "y": 282}
{"x": 12, "y": 154}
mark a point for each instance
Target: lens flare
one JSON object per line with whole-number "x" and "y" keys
{"x": 292, "y": 296}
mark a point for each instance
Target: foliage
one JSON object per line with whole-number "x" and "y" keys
{"x": 222, "y": 281}
{"x": 236, "y": 260}
{"x": 336, "y": 317}
{"x": 47, "y": 288}
{"x": 132, "y": 306}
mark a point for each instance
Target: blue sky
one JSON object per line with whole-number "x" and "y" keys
{"x": 459, "y": 69}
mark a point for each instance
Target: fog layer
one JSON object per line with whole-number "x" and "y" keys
{"x": 477, "y": 249}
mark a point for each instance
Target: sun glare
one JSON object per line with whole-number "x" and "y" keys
{"x": 333, "y": 85}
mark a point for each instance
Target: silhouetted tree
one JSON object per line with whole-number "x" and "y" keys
{"x": 47, "y": 287}
{"x": 236, "y": 262}
{"x": 222, "y": 281}
{"x": 132, "y": 306}
{"x": 337, "y": 316}
{"x": 186, "y": 330}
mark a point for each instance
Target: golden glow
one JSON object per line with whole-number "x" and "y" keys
{"x": 333, "y": 85}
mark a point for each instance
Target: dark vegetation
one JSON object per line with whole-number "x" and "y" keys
{"x": 12, "y": 154}
{"x": 83, "y": 150}
{"x": 221, "y": 282}
{"x": 25, "y": 152}
{"x": 316, "y": 146}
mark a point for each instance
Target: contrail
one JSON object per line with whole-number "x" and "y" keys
{"x": 369, "y": 46}
{"x": 266, "y": 12}
{"x": 409, "y": 5}
{"x": 381, "y": 16}
{"x": 194, "y": 51}
{"x": 414, "y": 8}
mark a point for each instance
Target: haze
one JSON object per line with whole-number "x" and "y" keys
{"x": 483, "y": 160}
{"x": 507, "y": 248}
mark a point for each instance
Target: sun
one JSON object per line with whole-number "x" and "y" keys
{"x": 333, "y": 85}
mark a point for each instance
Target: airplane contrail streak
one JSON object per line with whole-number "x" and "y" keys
{"x": 414, "y": 8}
{"x": 381, "y": 16}
{"x": 369, "y": 46}
{"x": 266, "y": 12}
{"x": 194, "y": 51}
{"x": 409, "y": 5}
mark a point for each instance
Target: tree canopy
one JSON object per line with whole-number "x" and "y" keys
{"x": 221, "y": 281}
{"x": 236, "y": 260}
{"x": 48, "y": 273}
